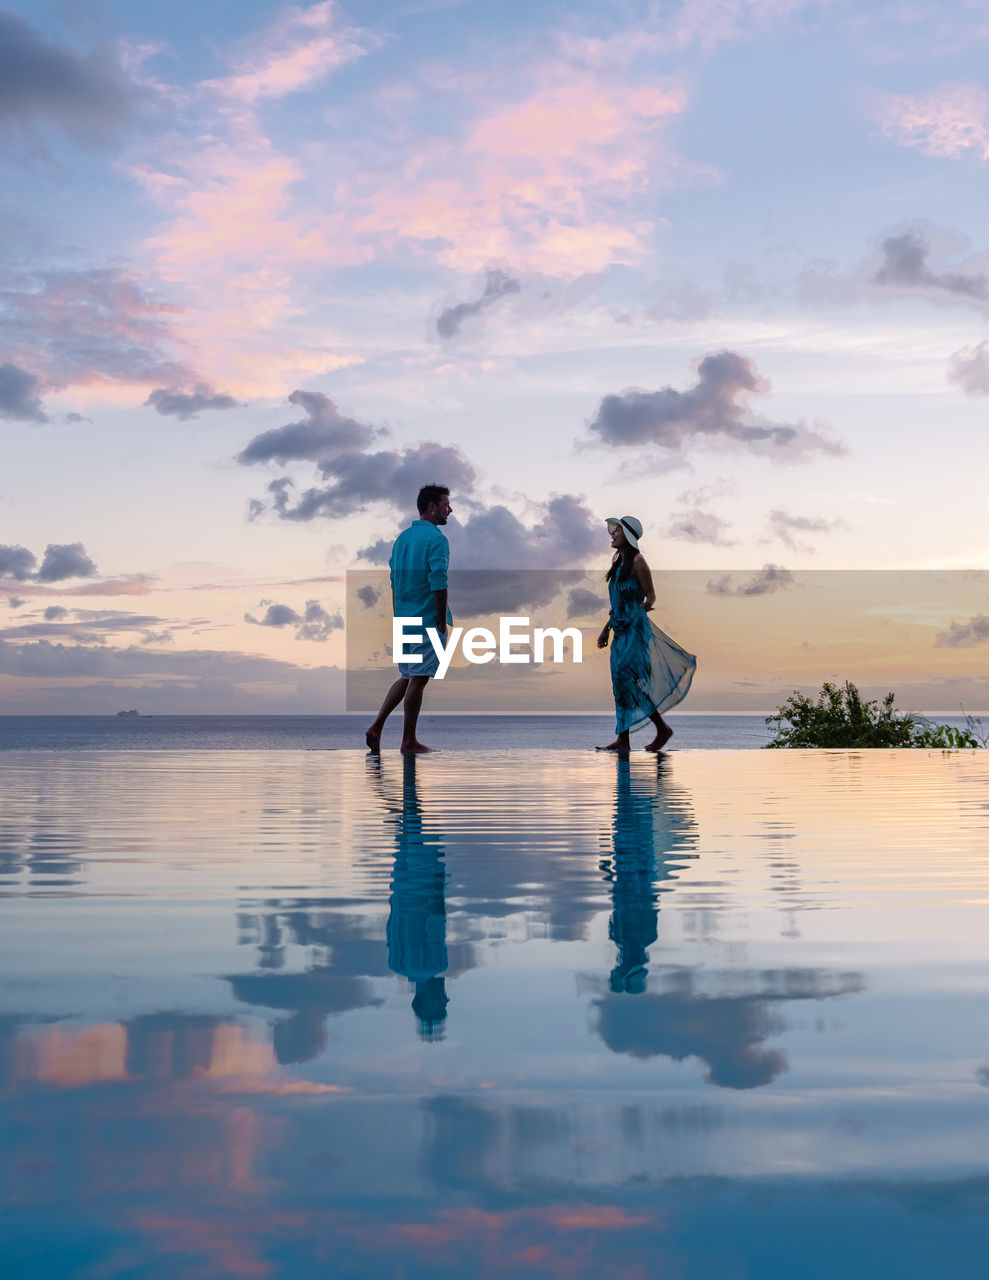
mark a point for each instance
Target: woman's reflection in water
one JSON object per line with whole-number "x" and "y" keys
{"x": 645, "y": 817}
{"x": 417, "y": 906}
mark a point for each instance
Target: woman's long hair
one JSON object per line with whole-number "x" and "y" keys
{"x": 622, "y": 561}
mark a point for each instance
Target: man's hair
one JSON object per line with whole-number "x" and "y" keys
{"x": 430, "y": 493}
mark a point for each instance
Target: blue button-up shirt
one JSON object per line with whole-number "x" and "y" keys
{"x": 418, "y": 564}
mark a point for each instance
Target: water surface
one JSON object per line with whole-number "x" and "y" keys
{"x": 291, "y": 1013}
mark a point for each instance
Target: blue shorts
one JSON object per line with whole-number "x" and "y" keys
{"x": 427, "y": 664}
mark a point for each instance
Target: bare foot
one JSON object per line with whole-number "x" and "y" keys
{"x": 416, "y": 749}
{"x": 661, "y": 739}
{"x": 617, "y": 745}
{"x": 372, "y": 737}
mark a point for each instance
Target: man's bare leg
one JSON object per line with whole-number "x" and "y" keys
{"x": 413, "y": 702}
{"x": 663, "y": 733}
{"x": 372, "y": 735}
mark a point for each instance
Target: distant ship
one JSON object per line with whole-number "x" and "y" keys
{"x": 132, "y": 712}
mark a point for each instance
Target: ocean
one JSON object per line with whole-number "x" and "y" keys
{"x": 346, "y": 732}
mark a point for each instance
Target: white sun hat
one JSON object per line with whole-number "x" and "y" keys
{"x": 631, "y": 527}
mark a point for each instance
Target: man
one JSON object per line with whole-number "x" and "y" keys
{"x": 418, "y": 564}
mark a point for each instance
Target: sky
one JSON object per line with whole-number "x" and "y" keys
{"x": 265, "y": 269}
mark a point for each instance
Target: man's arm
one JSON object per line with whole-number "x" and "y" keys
{"x": 437, "y": 559}
{"x": 439, "y": 598}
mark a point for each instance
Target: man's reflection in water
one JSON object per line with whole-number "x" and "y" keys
{"x": 417, "y": 907}
{"x": 648, "y": 818}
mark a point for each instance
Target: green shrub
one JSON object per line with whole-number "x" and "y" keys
{"x": 841, "y": 718}
{"x": 946, "y": 736}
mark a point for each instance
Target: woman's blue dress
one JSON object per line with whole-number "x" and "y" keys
{"x": 649, "y": 671}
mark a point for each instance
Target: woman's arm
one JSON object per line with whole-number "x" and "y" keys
{"x": 644, "y": 579}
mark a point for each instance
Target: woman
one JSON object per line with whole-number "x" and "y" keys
{"x": 649, "y": 671}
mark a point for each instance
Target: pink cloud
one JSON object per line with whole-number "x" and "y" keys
{"x": 535, "y": 182}
{"x": 950, "y": 123}
{"x": 238, "y": 242}
{"x": 544, "y": 183}
{"x": 577, "y": 121}
{"x": 239, "y": 247}
{"x": 234, "y": 214}
{"x": 297, "y": 50}
{"x": 561, "y": 181}
{"x": 548, "y": 183}
{"x": 96, "y": 327}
